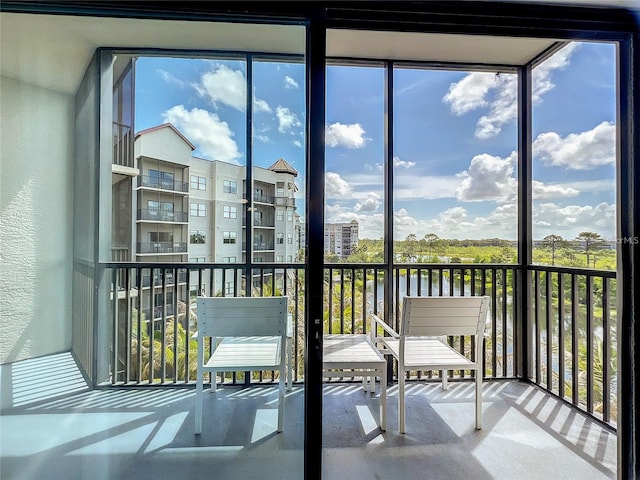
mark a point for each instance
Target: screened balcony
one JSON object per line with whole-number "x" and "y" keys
{"x": 97, "y": 367}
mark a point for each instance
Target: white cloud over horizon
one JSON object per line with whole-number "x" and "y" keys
{"x": 212, "y": 136}
{"x": 578, "y": 151}
{"x": 488, "y": 178}
{"x": 370, "y": 204}
{"x": 342, "y": 135}
{"x": 335, "y": 186}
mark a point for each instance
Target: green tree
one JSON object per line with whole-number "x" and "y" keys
{"x": 431, "y": 239}
{"x": 554, "y": 243}
{"x": 410, "y": 244}
{"x": 589, "y": 243}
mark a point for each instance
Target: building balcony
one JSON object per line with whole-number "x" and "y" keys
{"x": 161, "y": 247}
{"x": 268, "y": 199}
{"x": 153, "y": 215}
{"x": 264, "y": 223}
{"x": 145, "y": 181}
{"x": 285, "y": 202}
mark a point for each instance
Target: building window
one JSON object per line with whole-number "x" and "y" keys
{"x": 198, "y": 183}
{"x": 160, "y": 236}
{"x": 280, "y": 238}
{"x": 289, "y": 215}
{"x": 230, "y": 212}
{"x": 160, "y": 179}
{"x": 229, "y": 259}
{"x": 197, "y": 236}
{"x": 198, "y": 210}
{"x": 229, "y": 237}
{"x": 280, "y": 258}
{"x": 279, "y": 214}
{"x": 280, "y": 189}
{"x": 197, "y": 260}
{"x": 230, "y": 186}
{"x": 228, "y": 288}
{"x": 290, "y": 238}
{"x": 289, "y": 258}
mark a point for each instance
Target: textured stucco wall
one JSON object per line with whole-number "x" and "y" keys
{"x": 36, "y": 152}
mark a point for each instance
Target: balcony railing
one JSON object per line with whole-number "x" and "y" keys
{"x": 161, "y": 247}
{"x": 285, "y": 202}
{"x": 162, "y": 216}
{"x": 571, "y": 329}
{"x": 263, "y": 198}
{"x": 153, "y": 182}
{"x": 264, "y": 222}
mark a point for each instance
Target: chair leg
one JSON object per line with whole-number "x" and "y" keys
{"x": 198, "y": 414}
{"x": 289, "y": 364}
{"x": 401, "y": 400}
{"x": 281, "y": 388}
{"x": 383, "y": 398}
{"x": 478, "y": 400}
{"x": 443, "y": 375}
{"x": 214, "y": 380}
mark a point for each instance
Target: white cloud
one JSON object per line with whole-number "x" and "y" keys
{"x": 578, "y": 151}
{"x": 470, "y": 92}
{"x": 263, "y": 138}
{"x": 297, "y": 143}
{"x": 545, "y": 191}
{"x": 336, "y": 186}
{"x": 260, "y": 105}
{"x": 541, "y": 75}
{"x": 223, "y": 85}
{"x": 402, "y": 163}
{"x": 568, "y": 221}
{"x": 349, "y": 136}
{"x": 169, "y": 78}
{"x": 287, "y": 120}
{"x": 370, "y": 204}
{"x": 499, "y": 93}
{"x": 488, "y": 178}
{"x": 407, "y": 187}
{"x": 212, "y": 136}
{"x": 289, "y": 82}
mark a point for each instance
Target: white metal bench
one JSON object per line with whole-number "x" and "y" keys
{"x": 417, "y": 346}
{"x": 356, "y": 356}
{"x": 247, "y": 334}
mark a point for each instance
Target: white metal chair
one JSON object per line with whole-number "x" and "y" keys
{"x": 417, "y": 346}
{"x": 248, "y": 334}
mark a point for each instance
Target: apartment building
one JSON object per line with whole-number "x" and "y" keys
{"x": 340, "y": 238}
{"x": 189, "y": 209}
{"x": 217, "y": 221}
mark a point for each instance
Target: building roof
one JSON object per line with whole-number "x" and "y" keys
{"x": 167, "y": 125}
{"x": 282, "y": 166}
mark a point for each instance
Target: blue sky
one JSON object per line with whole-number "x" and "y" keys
{"x": 455, "y": 138}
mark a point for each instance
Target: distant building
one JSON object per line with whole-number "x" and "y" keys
{"x": 340, "y": 238}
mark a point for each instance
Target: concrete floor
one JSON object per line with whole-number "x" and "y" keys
{"x": 148, "y": 434}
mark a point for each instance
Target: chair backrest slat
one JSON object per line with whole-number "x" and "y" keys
{"x": 436, "y": 316}
{"x": 241, "y": 316}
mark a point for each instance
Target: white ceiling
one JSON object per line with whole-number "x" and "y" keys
{"x": 434, "y": 47}
{"x": 53, "y": 51}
